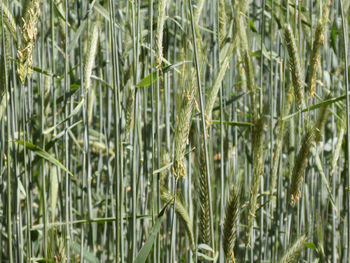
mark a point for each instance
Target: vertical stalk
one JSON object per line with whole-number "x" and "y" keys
{"x": 8, "y": 153}
{"x": 201, "y": 106}
{"x": 345, "y": 34}
{"x": 66, "y": 137}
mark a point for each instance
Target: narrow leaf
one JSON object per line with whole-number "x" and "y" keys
{"x": 74, "y": 112}
{"x": 88, "y": 256}
{"x": 310, "y": 245}
{"x": 316, "y": 106}
{"x": 43, "y": 154}
{"x": 146, "y": 81}
{"x": 76, "y": 36}
{"x": 143, "y": 254}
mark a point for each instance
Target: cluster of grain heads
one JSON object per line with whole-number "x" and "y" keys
{"x": 257, "y": 131}
{"x": 293, "y": 253}
{"x": 294, "y": 66}
{"x": 29, "y": 32}
{"x": 312, "y": 136}
{"x": 182, "y": 214}
{"x": 230, "y": 224}
{"x": 126, "y": 138}
{"x": 90, "y": 55}
{"x": 8, "y": 19}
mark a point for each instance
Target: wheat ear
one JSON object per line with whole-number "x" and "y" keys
{"x": 4, "y": 64}
{"x": 2, "y": 76}
{"x": 90, "y": 55}
{"x": 183, "y": 215}
{"x": 294, "y": 66}
{"x": 231, "y": 215}
{"x": 338, "y": 146}
{"x": 183, "y": 124}
{"x": 315, "y": 57}
{"x": 312, "y": 135}
{"x": 222, "y": 21}
{"x": 278, "y": 143}
{"x": 213, "y": 92}
{"x": 204, "y": 212}
{"x": 8, "y": 20}
{"x": 198, "y": 12}
{"x": 159, "y": 31}
{"x": 258, "y": 157}
{"x": 129, "y": 107}
{"x": 293, "y": 253}
{"x": 29, "y": 32}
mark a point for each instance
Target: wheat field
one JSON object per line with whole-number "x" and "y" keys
{"x": 174, "y": 131}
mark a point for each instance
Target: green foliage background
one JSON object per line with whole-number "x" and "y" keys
{"x": 174, "y": 131}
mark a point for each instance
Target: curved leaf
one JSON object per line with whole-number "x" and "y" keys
{"x": 144, "y": 252}
{"x": 43, "y": 154}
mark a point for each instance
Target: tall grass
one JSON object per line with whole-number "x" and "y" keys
{"x": 174, "y": 131}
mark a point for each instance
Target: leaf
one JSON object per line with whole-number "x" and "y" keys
{"x": 57, "y": 10}
{"x": 53, "y": 193}
{"x": 74, "y": 112}
{"x": 59, "y": 135}
{"x": 43, "y": 154}
{"x": 76, "y": 36}
{"x": 203, "y": 256}
{"x": 251, "y": 25}
{"x": 269, "y": 54}
{"x": 232, "y": 123}
{"x": 100, "y": 9}
{"x": 87, "y": 254}
{"x": 85, "y": 221}
{"x": 3, "y": 105}
{"x": 323, "y": 177}
{"x": 73, "y": 89}
{"x": 41, "y": 260}
{"x": 146, "y": 81}
{"x": 146, "y": 248}
{"x": 205, "y": 247}
{"x": 163, "y": 168}
{"x": 316, "y": 106}
{"x": 42, "y": 71}
{"x": 334, "y": 38}
{"x": 230, "y": 101}
{"x": 277, "y": 20}
{"x": 310, "y": 245}
{"x": 23, "y": 194}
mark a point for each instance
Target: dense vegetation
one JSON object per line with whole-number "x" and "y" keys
{"x": 174, "y": 131}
